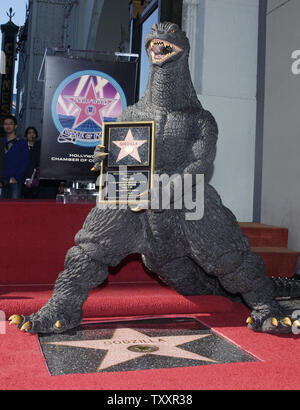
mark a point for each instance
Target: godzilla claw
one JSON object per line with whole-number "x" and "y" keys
{"x": 287, "y": 321}
{"x": 15, "y": 320}
{"x": 49, "y": 319}
{"x": 58, "y": 325}
{"x": 250, "y": 320}
{"x": 274, "y": 322}
{"x": 296, "y": 324}
{"x": 104, "y": 154}
{"x": 96, "y": 168}
{"x": 27, "y": 326}
{"x": 137, "y": 209}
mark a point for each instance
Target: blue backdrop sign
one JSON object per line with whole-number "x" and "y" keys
{"x": 79, "y": 97}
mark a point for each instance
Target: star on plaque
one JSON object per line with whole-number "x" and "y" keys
{"x": 128, "y": 344}
{"x": 129, "y": 147}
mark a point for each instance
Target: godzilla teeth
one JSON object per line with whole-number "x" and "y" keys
{"x": 165, "y": 44}
{"x": 168, "y": 50}
{"x": 157, "y": 43}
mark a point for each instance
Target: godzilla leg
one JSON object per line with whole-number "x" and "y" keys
{"x": 105, "y": 239}
{"x": 243, "y": 272}
{"x": 64, "y": 310}
{"x": 259, "y": 293}
{"x": 188, "y": 278}
{"x": 219, "y": 246}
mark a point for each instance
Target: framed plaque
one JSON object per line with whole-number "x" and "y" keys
{"x": 128, "y": 169}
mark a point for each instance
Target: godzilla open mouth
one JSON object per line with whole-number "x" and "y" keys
{"x": 161, "y": 50}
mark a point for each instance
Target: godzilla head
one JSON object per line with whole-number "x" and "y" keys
{"x": 166, "y": 43}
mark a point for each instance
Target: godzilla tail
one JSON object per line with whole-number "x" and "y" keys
{"x": 286, "y": 287}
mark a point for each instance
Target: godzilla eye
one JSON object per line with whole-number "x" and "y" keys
{"x": 173, "y": 31}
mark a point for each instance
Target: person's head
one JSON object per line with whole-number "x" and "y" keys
{"x": 31, "y": 134}
{"x": 10, "y": 124}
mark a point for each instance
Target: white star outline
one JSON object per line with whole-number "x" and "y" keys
{"x": 117, "y": 347}
{"x": 129, "y": 146}
{"x": 99, "y": 101}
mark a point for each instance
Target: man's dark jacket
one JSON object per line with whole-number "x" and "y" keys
{"x": 2, "y": 158}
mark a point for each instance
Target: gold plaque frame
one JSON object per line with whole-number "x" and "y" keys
{"x": 107, "y": 166}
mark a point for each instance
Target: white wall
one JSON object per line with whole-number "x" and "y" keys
{"x": 224, "y": 35}
{"x": 79, "y": 23}
{"x": 281, "y": 164}
{"x": 114, "y": 15}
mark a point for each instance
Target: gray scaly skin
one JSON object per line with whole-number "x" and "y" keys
{"x": 195, "y": 257}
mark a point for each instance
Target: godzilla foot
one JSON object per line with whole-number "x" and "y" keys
{"x": 275, "y": 320}
{"x": 48, "y": 320}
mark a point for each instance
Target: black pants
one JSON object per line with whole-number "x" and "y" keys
{"x": 11, "y": 191}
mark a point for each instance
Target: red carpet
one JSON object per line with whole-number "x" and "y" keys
{"x": 127, "y": 299}
{"x": 37, "y": 236}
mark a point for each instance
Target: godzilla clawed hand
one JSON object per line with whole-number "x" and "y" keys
{"x": 34, "y": 324}
{"x": 20, "y": 322}
{"x": 274, "y": 325}
{"x": 99, "y": 156}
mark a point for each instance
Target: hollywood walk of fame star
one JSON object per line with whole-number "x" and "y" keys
{"x": 129, "y": 147}
{"x": 128, "y": 344}
{"x": 90, "y": 106}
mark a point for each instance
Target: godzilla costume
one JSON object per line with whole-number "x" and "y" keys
{"x": 200, "y": 257}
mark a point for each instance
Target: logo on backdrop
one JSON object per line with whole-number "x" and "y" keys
{"x": 82, "y": 103}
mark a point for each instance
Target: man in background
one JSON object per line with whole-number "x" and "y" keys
{"x": 16, "y": 160}
{"x": 2, "y": 159}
